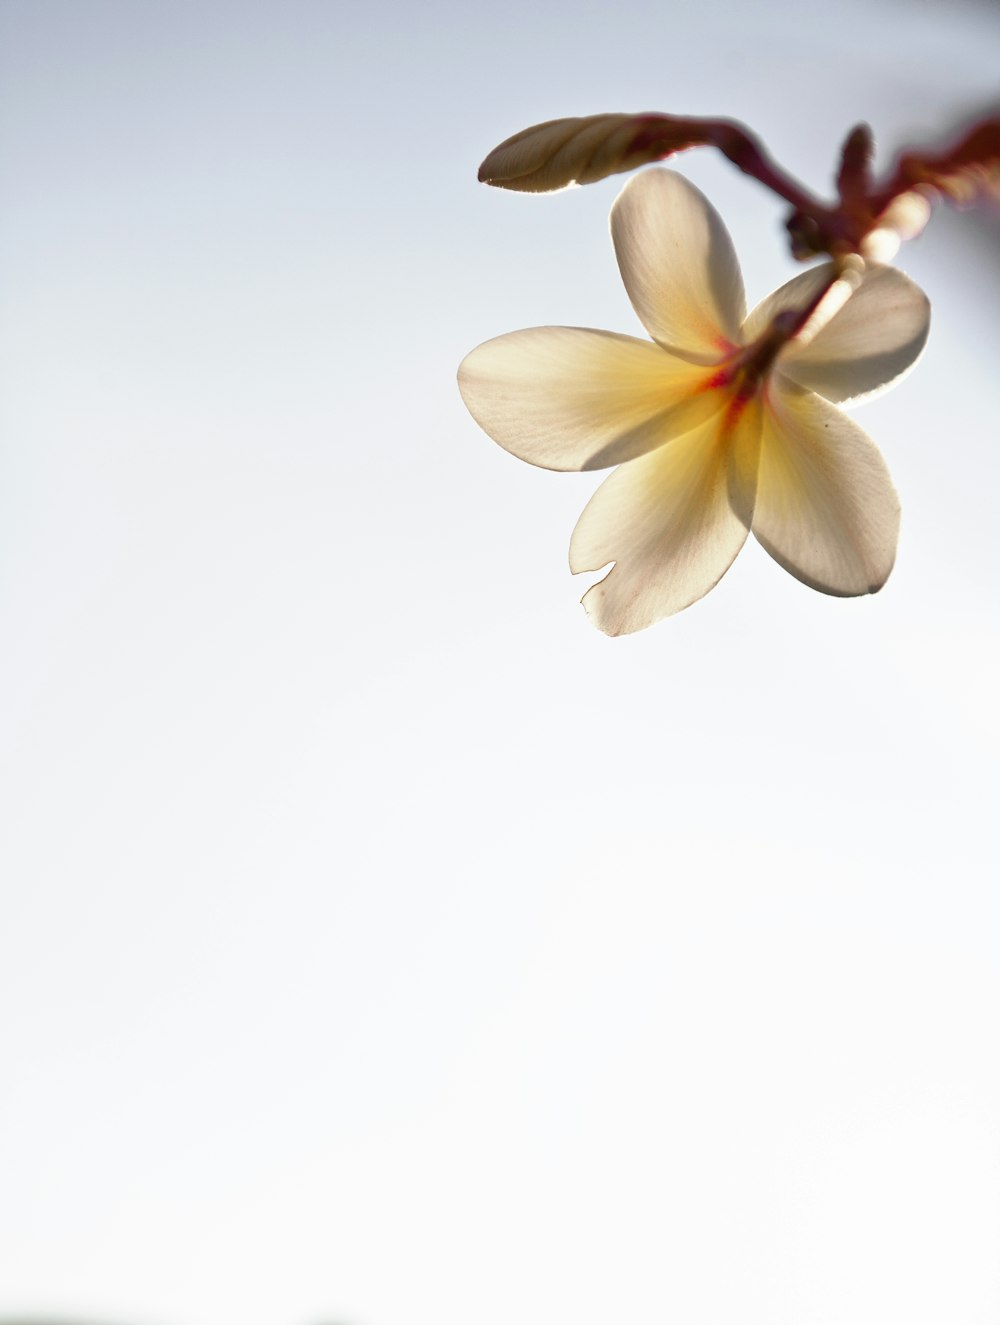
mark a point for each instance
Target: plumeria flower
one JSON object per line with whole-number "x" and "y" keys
{"x": 721, "y": 424}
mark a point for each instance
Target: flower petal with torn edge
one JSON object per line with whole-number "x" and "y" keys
{"x": 826, "y": 509}
{"x": 678, "y": 264}
{"x": 875, "y": 338}
{"x": 672, "y": 522}
{"x": 569, "y": 398}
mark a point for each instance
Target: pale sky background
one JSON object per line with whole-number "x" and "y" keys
{"x": 380, "y": 944}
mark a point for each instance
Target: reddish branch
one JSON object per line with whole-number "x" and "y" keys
{"x": 552, "y": 155}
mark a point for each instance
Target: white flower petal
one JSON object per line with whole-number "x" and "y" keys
{"x": 672, "y": 521}
{"x": 904, "y": 218}
{"x": 570, "y": 398}
{"x": 873, "y": 340}
{"x": 826, "y": 509}
{"x": 795, "y": 294}
{"x": 678, "y": 264}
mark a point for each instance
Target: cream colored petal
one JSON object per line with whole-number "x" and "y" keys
{"x": 672, "y": 522}
{"x": 826, "y": 508}
{"x": 904, "y": 218}
{"x": 569, "y": 398}
{"x": 875, "y": 338}
{"x": 678, "y": 264}
{"x": 560, "y": 152}
{"x": 795, "y": 294}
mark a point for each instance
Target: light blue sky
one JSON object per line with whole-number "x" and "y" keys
{"x": 380, "y": 943}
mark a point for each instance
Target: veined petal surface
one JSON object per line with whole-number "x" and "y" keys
{"x": 875, "y": 338}
{"x": 672, "y": 522}
{"x": 795, "y": 294}
{"x": 678, "y": 264}
{"x": 570, "y": 398}
{"x": 826, "y": 509}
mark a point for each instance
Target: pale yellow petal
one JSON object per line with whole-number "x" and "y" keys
{"x": 904, "y": 218}
{"x": 570, "y": 398}
{"x": 678, "y": 264}
{"x": 826, "y": 509}
{"x": 672, "y": 522}
{"x": 796, "y": 294}
{"x": 876, "y": 337}
{"x": 560, "y": 152}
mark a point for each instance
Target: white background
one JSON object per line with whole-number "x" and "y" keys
{"x": 380, "y": 944}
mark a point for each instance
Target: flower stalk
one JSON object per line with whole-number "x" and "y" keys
{"x": 869, "y": 218}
